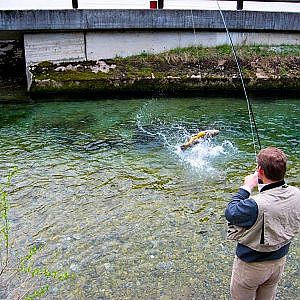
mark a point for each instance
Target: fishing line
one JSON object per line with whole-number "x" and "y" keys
{"x": 250, "y": 111}
{"x": 195, "y": 40}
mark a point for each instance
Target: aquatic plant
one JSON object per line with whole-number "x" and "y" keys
{"x": 20, "y": 278}
{"x": 5, "y": 227}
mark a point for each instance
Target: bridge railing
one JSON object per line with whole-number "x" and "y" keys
{"x": 240, "y": 3}
{"x": 159, "y": 4}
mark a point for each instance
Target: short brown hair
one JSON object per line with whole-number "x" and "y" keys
{"x": 273, "y": 161}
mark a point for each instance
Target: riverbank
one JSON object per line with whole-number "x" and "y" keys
{"x": 198, "y": 70}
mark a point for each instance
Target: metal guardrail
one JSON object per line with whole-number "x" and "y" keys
{"x": 75, "y": 4}
{"x": 158, "y": 4}
{"x": 240, "y": 3}
{"x": 239, "y": 6}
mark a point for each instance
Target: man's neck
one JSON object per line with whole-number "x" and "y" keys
{"x": 271, "y": 185}
{"x": 265, "y": 180}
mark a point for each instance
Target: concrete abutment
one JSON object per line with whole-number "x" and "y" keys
{"x": 81, "y": 35}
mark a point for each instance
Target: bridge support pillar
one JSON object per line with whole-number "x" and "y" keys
{"x": 157, "y": 4}
{"x": 239, "y": 5}
{"x": 75, "y": 4}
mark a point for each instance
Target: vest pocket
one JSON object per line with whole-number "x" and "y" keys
{"x": 278, "y": 230}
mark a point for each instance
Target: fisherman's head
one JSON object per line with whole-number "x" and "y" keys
{"x": 271, "y": 164}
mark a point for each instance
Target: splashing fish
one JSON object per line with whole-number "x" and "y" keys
{"x": 197, "y": 138}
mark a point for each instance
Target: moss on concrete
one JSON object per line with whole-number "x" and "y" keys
{"x": 179, "y": 71}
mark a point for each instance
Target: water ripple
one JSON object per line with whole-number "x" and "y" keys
{"x": 105, "y": 191}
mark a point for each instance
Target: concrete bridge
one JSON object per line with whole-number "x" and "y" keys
{"x": 77, "y": 35}
{"x": 68, "y": 35}
{"x": 58, "y": 20}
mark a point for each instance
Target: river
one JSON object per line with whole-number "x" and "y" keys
{"x": 104, "y": 190}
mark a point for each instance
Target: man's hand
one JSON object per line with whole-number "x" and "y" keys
{"x": 251, "y": 181}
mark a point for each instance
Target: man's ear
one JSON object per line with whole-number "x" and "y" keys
{"x": 260, "y": 171}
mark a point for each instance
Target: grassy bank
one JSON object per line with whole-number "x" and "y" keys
{"x": 199, "y": 70}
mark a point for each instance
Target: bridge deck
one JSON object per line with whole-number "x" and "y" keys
{"x": 118, "y": 19}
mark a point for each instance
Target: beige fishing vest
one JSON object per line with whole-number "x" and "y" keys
{"x": 278, "y": 220}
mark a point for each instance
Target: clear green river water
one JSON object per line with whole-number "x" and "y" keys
{"x": 104, "y": 191}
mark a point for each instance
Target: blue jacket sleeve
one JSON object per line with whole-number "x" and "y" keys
{"x": 241, "y": 210}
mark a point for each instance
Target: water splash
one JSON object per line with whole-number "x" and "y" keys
{"x": 206, "y": 159}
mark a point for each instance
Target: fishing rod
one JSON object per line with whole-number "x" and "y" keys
{"x": 250, "y": 110}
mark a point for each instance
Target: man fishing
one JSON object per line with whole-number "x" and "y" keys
{"x": 195, "y": 139}
{"x": 263, "y": 225}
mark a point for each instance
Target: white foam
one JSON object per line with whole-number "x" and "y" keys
{"x": 204, "y": 157}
